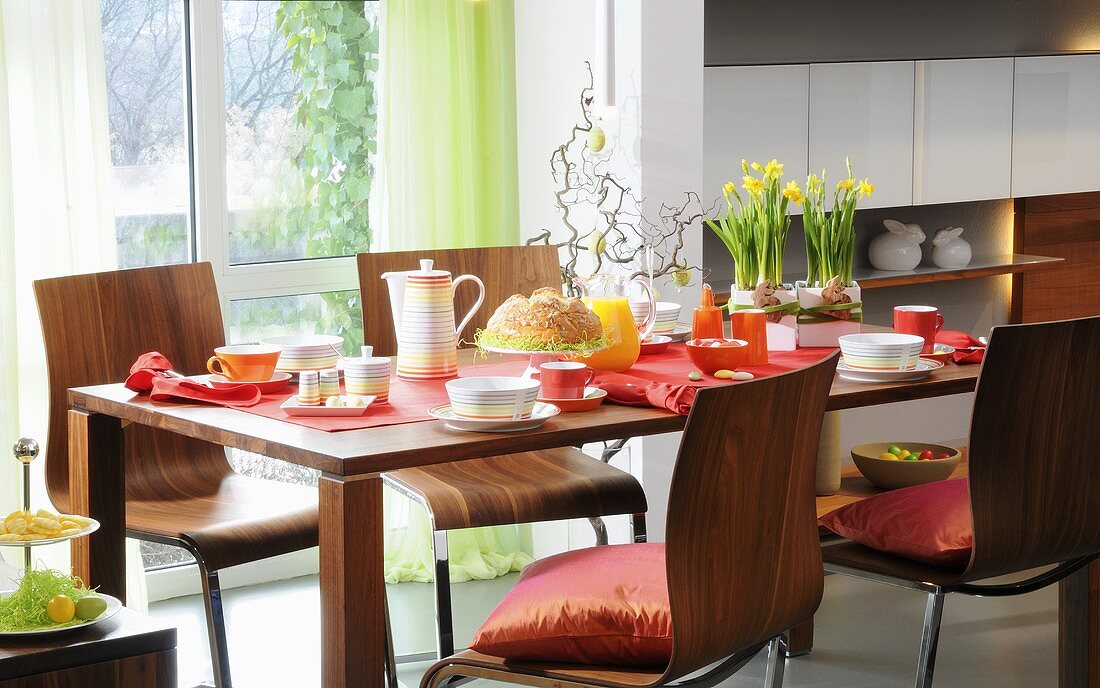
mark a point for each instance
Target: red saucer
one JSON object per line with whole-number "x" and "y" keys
{"x": 593, "y": 397}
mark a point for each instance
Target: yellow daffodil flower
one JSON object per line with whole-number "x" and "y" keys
{"x": 814, "y": 184}
{"x": 729, "y": 188}
{"x": 793, "y": 193}
{"x": 753, "y": 185}
{"x": 758, "y": 167}
{"x": 845, "y": 184}
{"x": 773, "y": 170}
{"x": 745, "y": 165}
{"x": 866, "y": 188}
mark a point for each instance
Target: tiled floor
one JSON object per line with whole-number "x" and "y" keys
{"x": 867, "y": 636}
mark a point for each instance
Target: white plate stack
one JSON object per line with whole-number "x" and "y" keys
{"x": 307, "y": 352}
{"x": 668, "y": 313}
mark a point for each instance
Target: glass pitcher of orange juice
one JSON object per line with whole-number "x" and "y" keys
{"x": 606, "y": 296}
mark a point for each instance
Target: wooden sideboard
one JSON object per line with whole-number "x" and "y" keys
{"x": 1066, "y": 226}
{"x": 126, "y": 651}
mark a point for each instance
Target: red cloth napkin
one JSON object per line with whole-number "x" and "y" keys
{"x": 675, "y": 398}
{"x": 151, "y": 374}
{"x": 963, "y": 344}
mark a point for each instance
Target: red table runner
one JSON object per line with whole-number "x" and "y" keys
{"x": 410, "y": 401}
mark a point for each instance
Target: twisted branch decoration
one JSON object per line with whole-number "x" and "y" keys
{"x": 621, "y": 233}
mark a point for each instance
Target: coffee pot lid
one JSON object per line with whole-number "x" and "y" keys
{"x": 427, "y": 269}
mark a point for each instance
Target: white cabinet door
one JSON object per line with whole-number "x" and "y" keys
{"x": 1056, "y": 125}
{"x": 864, "y": 110}
{"x": 962, "y": 125}
{"x": 755, "y": 113}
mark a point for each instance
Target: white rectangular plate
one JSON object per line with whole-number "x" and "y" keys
{"x": 293, "y": 408}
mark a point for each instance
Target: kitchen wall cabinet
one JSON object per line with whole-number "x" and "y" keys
{"x": 962, "y": 126}
{"x": 864, "y": 110}
{"x": 755, "y": 113}
{"x": 1056, "y": 125}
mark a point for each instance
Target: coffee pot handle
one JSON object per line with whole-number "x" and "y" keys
{"x": 477, "y": 304}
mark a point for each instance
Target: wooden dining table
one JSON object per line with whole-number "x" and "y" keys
{"x": 351, "y": 462}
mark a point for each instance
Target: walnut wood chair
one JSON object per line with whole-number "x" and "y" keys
{"x": 179, "y": 491}
{"x": 742, "y": 558}
{"x": 1034, "y": 495}
{"x": 550, "y": 485}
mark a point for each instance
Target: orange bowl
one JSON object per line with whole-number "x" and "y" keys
{"x": 728, "y": 355}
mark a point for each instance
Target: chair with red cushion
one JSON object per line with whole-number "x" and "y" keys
{"x": 548, "y": 485}
{"x": 1033, "y": 498}
{"x": 741, "y": 563}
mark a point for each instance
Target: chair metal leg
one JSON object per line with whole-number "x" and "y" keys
{"x": 637, "y": 528}
{"x": 930, "y": 637}
{"x": 215, "y": 627}
{"x": 444, "y": 622}
{"x": 777, "y": 662}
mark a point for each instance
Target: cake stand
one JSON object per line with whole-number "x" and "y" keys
{"x": 537, "y": 358}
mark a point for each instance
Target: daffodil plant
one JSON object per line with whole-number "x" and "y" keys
{"x": 830, "y": 238}
{"x": 754, "y": 228}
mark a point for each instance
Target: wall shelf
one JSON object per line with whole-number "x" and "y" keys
{"x": 980, "y": 266}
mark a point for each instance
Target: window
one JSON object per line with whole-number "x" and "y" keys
{"x": 243, "y": 133}
{"x": 143, "y": 52}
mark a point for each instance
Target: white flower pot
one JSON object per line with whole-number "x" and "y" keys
{"x": 817, "y": 329}
{"x": 782, "y": 335}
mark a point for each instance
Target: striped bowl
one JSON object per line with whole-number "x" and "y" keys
{"x": 493, "y": 397}
{"x": 881, "y": 351}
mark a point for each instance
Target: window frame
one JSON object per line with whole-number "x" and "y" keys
{"x": 204, "y": 84}
{"x": 205, "y": 79}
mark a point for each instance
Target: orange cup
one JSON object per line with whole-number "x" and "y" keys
{"x": 244, "y": 362}
{"x": 750, "y": 324}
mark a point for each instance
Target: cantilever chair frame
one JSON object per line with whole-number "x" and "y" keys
{"x": 181, "y": 299}
{"x": 505, "y": 270}
{"x": 1056, "y": 414}
{"x": 756, "y": 526}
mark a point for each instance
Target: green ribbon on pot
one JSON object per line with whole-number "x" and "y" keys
{"x": 817, "y": 314}
{"x": 789, "y": 308}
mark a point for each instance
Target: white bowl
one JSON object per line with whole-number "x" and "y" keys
{"x": 880, "y": 339}
{"x": 881, "y": 350}
{"x": 492, "y": 397}
{"x": 305, "y": 340}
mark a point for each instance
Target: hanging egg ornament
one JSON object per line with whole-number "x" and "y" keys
{"x": 597, "y": 244}
{"x": 681, "y": 277}
{"x": 596, "y": 139}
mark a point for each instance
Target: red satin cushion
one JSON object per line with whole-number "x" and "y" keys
{"x": 929, "y": 523}
{"x": 602, "y": 605}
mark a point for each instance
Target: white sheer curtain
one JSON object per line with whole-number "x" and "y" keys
{"x": 56, "y": 216}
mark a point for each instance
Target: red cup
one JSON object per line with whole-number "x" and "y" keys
{"x": 564, "y": 379}
{"x": 923, "y": 321}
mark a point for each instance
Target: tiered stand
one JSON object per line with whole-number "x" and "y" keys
{"x": 25, "y": 451}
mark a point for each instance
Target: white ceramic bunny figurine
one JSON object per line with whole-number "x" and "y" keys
{"x": 898, "y": 249}
{"x": 949, "y": 249}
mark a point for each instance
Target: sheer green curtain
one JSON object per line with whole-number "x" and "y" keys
{"x": 56, "y": 214}
{"x": 447, "y": 134}
{"x": 447, "y": 162}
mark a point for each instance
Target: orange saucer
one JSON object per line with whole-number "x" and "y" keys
{"x": 277, "y": 383}
{"x": 593, "y": 397}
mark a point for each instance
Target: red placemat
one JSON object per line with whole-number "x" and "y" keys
{"x": 410, "y": 401}
{"x": 673, "y": 365}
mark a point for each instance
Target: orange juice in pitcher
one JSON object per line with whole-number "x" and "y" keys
{"x": 606, "y": 296}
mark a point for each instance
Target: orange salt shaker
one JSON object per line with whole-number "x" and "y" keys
{"x": 750, "y": 324}
{"x": 706, "y": 321}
